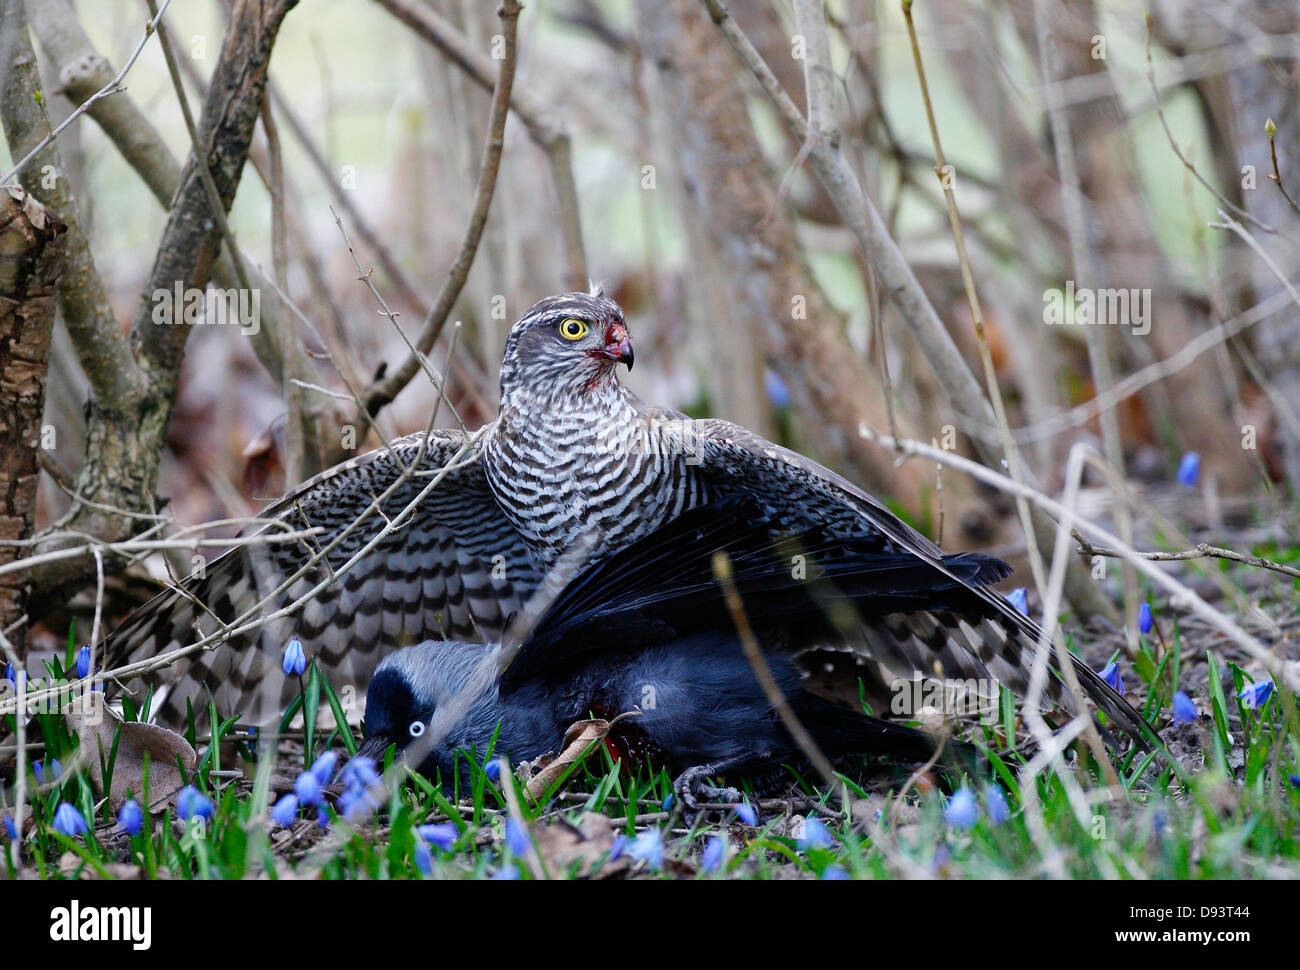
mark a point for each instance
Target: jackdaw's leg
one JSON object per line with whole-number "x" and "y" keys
{"x": 691, "y": 786}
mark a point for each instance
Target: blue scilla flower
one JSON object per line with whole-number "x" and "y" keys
{"x": 1111, "y": 675}
{"x": 357, "y": 804}
{"x": 777, "y": 391}
{"x": 443, "y": 835}
{"x": 285, "y": 810}
{"x": 834, "y": 873}
{"x": 294, "y": 661}
{"x": 322, "y": 768}
{"x": 996, "y": 803}
{"x": 508, "y": 872}
{"x": 192, "y": 803}
{"x": 815, "y": 835}
{"x": 11, "y": 827}
{"x": 1185, "y": 711}
{"x": 130, "y": 819}
{"x": 83, "y": 661}
{"x": 961, "y": 812}
{"x": 1256, "y": 695}
{"x": 714, "y": 853}
{"x": 1020, "y": 599}
{"x": 746, "y": 814}
{"x": 516, "y": 837}
{"x": 423, "y": 858}
{"x": 1145, "y": 620}
{"x": 1189, "y": 469}
{"x": 307, "y": 788}
{"x": 360, "y": 772}
{"x": 648, "y": 847}
{"x": 493, "y": 770}
{"x": 68, "y": 821}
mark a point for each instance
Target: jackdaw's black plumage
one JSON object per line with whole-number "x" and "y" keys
{"x": 648, "y": 630}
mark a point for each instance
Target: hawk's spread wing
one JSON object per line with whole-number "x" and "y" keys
{"x": 969, "y": 632}
{"x": 455, "y": 569}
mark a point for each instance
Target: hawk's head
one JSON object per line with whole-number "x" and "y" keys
{"x": 569, "y": 344}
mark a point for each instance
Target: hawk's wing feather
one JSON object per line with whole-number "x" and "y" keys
{"x": 455, "y": 569}
{"x": 981, "y": 632}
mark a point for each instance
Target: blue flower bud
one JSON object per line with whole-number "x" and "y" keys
{"x": 1111, "y": 675}
{"x": 11, "y": 827}
{"x": 667, "y": 805}
{"x": 508, "y": 872}
{"x": 648, "y": 847}
{"x": 192, "y": 803}
{"x": 746, "y": 814}
{"x": 38, "y": 769}
{"x": 83, "y": 661}
{"x": 1020, "y": 599}
{"x": 815, "y": 835}
{"x": 777, "y": 391}
{"x": 1256, "y": 695}
{"x": 621, "y": 843}
{"x": 323, "y": 767}
{"x": 423, "y": 858}
{"x": 68, "y": 821}
{"x": 493, "y": 770}
{"x": 307, "y": 788}
{"x": 516, "y": 837}
{"x": 130, "y": 819}
{"x": 444, "y": 836}
{"x": 56, "y": 769}
{"x": 295, "y": 658}
{"x": 1189, "y": 469}
{"x": 1145, "y": 621}
{"x": 322, "y": 818}
{"x": 11, "y": 674}
{"x": 360, "y": 772}
{"x": 356, "y": 805}
{"x": 996, "y": 803}
{"x": 834, "y": 873}
{"x": 285, "y": 811}
{"x": 961, "y": 812}
{"x": 1185, "y": 711}
{"x": 714, "y": 853}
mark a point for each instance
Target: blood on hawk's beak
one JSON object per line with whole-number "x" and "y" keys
{"x": 618, "y": 346}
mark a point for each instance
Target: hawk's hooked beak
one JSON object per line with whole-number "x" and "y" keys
{"x": 618, "y": 346}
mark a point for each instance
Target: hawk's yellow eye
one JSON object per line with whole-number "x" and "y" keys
{"x": 573, "y": 329}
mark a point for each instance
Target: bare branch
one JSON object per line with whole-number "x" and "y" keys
{"x": 547, "y": 131}
{"x": 386, "y": 388}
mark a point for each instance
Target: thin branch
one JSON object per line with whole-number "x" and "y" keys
{"x": 547, "y": 131}
{"x": 1203, "y": 550}
{"x": 722, "y": 571}
{"x": 1173, "y": 143}
{"x": 386, "y": 388}
{"x": 112, "y": 87}
{"x": 1276, "y": 175}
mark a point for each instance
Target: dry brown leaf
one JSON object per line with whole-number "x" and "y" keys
{"x": 579, "y": 741}
{"x": 565, "y": 847}
{"x": 162, "y": 747}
